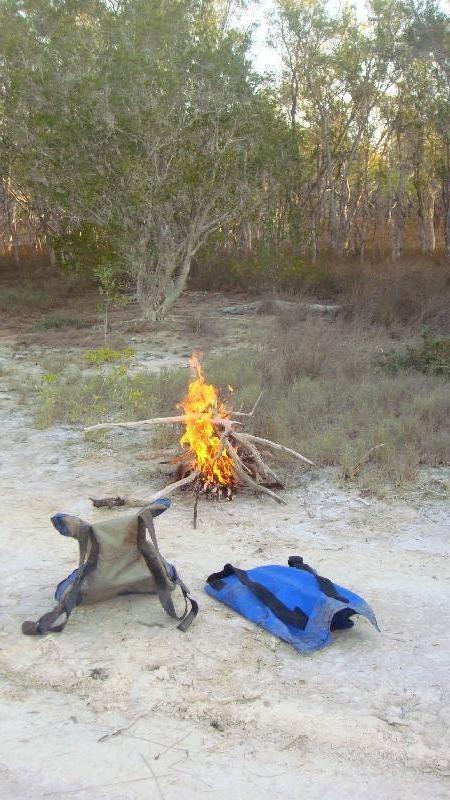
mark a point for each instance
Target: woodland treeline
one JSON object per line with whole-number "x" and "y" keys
{"x": 136, "y": 136}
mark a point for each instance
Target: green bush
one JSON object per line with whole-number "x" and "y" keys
{"x": 105, "y": 355}
{"x": 77, "y": 398}
{"x": 432, "y": 356}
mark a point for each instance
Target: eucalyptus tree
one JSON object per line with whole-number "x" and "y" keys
{"x": 137, "y": 119}
{"x": 333, "y": 78}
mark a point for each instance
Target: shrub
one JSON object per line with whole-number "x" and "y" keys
{"x": 432, "y": 356}
{"x": 199, "y": 324}
{"x": 77, "y": 398}
{"x": 105, "y": 355}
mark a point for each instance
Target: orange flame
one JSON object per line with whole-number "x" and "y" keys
{"x": 200, "y": 406}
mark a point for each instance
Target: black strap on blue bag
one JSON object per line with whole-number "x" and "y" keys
{"x": 326, "y": 586}
{"x": 295, "y": 618}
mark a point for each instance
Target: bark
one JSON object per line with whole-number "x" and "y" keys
{"x": 426, "y": 198}
{"x": 399, "y": 213}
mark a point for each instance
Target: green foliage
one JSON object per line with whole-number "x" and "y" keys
{"x": 140, "y": 122}
{"x": 77, "y": 398}
{"x": 86, "y": 249}
{"x": 263, "y": 271}
{"x": 105, "y": 355}
{"x": 432, "y": 356}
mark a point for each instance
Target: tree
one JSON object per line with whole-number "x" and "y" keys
{"x": 140, "y": 118}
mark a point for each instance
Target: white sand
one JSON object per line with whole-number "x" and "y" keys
{"x": 224, "y": 711}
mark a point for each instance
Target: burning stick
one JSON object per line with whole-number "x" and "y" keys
{"x": 220, "y": 422}
{"x": 264, "y": 469}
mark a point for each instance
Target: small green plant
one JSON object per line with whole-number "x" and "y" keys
{"x": 105, "y": 355}
{"x": 77, "y": 398}
{"x": 432, "y": 357}
{"x": 110, "y": 290}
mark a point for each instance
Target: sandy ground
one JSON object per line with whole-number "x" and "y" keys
{"x": 122, "y": 706}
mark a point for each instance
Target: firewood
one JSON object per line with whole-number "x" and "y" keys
{"x": 134, "y": 502}
{"x": 257, "y": 487}
{"x": 248, "y": 413}
{"x": 276, "y": 446}
{"x": 223, "y": 423}
{"x": 265, "y": 470}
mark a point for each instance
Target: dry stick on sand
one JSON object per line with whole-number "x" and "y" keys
{"x": 135, "y": 502}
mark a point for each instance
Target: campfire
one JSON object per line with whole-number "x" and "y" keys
{"x": 217, "y": 456}
{"x": 203, "y": 442}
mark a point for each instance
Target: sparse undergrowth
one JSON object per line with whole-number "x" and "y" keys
{"x": 58, "y": 323}
{"x": 75, "y": 397}
{"x": 325, "y": 393}
{"x": 15, "y": 299}
{"x": 432, "y": 356}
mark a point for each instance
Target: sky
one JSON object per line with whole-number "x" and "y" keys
{"x": 256, "y": 14}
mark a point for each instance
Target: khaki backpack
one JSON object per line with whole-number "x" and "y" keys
{"x": 117, "y": 556}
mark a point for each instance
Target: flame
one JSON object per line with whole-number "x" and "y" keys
{"x": 200, "y": 406}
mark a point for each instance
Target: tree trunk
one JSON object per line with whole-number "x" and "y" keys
{"x": 157, "y": 289}
{"x": 425, "y": 209}
{"x": 397, "y": 232}
{"x": 398, "y": 214}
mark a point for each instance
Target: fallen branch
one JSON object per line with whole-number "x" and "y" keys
{"x": 219, "y": 422}
{"x": 276, "y": 446}
{"x": 135, "y": 502}
{"x": 240, "y": 469}
{"x": 275, "y": 306}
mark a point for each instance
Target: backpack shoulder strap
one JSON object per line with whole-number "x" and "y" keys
{"x": 165, "y": 575}
{"x": 56, "y": 619}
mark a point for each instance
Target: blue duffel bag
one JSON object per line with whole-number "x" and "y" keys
{"x": 294, "y": 603}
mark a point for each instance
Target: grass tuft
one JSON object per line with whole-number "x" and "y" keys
{"x": 106, "y": 355}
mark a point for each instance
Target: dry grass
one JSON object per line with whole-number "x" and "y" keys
{"x": 325, "y": 392}
{"x": 410, "y": 293}
{"x": 326, "y": 389}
